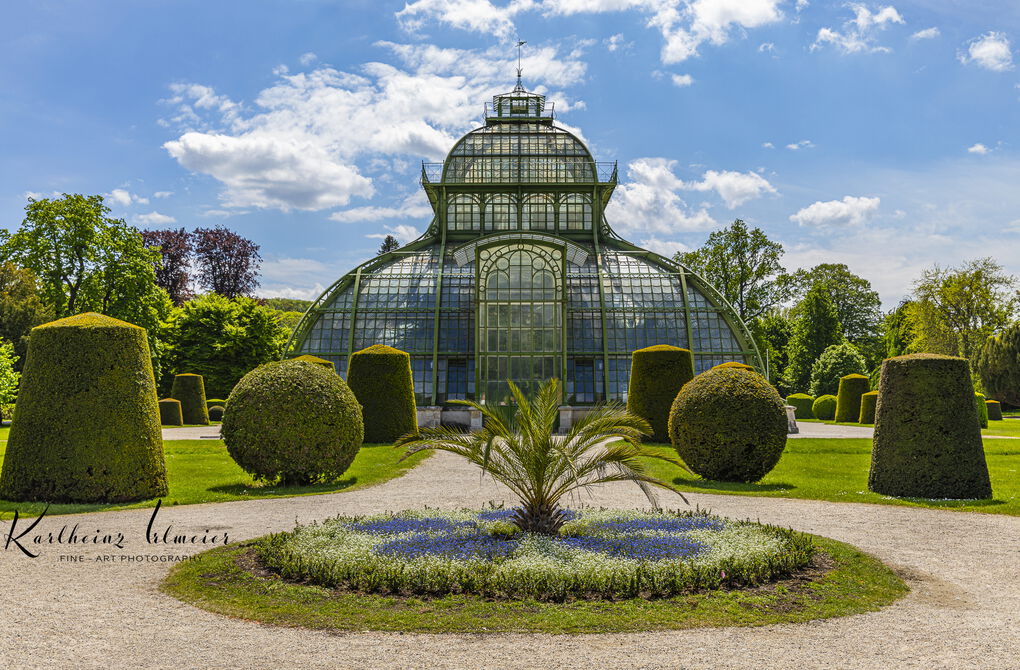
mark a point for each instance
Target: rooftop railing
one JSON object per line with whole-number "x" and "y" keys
{"x": 510, "y": 109}
{"x": 606, "y": 173}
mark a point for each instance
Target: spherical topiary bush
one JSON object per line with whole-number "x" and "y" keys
{"x": 927, "y": 436}
{"x": 848, "y": 400}
{"x": 86, "y": 427}
{"x": 380, "y": 378}
{"x": 801, "y": 403}
{"x": 824, "y": 407}
{"x": 868, "y": 402}
{"x": 190, "y": 390}
{"x": 170, "y": 412}
{"x": 210, "y": 402}
{"x": 729, "y": 424}
{"x": 216, "y": 413}
{"x": 835, "y": 363}
{"x": 308, "y": 358}
{"x": 293, "y": 420}
{"x": 982, "y": 409}
{"x": 994, "y": 410}
{"x": 656, "y": 376}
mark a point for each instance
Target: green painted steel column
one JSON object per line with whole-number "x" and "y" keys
{"x": 354, "y": 313}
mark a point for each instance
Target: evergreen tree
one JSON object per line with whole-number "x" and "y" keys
{"x": 815, "y": 329}
{"x": 389, "y": 244}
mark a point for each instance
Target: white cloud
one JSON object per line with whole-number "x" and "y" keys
{"x": 404, "y": 234}
{"x": 979, "y": 149}
{"x": 926, "y": 34}
{"x": 682, "y": 80}
{"x": 154, "y": 219}
{"x": 415, "y": 206}
{"x": 851, "y": 211}
{"x": 990, "y": 51}
{"x": 162, "y": 194}
{"x": 124, "y": 198}
{"x": 475, "y": 15}
{"x": 735, "y": 188}
{"x": 304, "y": 144}
{"x": 858, "y": 35}
{"x": 767, "y": 47}
{"x": 663, "y": 247}
{"x": 803, "y": 144}
{"x": 615, "y": 42}
{"x": 649, "y": 201}
{"x": 768, "y": 145}
{"x": 308, "y": 58}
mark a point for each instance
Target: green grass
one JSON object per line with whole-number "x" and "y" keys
{"x": 837, "y": 470}
{"x": 201, "y": 471}
{"x": 228, "y": 581}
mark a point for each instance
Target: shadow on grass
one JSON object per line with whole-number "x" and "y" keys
{"x": 244, "y": 490}
{"x": 949, "y": 504}
{"x": 714, "y": 485}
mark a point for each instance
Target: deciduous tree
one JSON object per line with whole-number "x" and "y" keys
{"x": 21, "y": 308}
{"x": 172, "y": 274}
{"x": 815, "y": 329}
{"x": 228, "y": 264}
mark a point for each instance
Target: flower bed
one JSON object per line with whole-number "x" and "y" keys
{"x": 598, "y": 554}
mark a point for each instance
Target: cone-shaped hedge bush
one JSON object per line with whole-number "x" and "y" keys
{"x": 729, "y": 424}
{"x": 190, "y": 390}
{"x": 293, "y": 420}
{"x": 735, "y": 364}
{"x": 86, "y": 427}
{"x": 656, "y": 375}
{"x": 216, "y": 413}
{"x": 170, "y": 412}
{"x": 380, "y": 378}
{"x": 848, "y": 400}
{"x": 801, "y": 403}
{"x": 927, "y": 435}
{"x": 868, "y": 402}
{"x": 982, "y": 409}
{"x": 210, "y": 402}
{"x": 308, "y": 358}
{"x": 994, "y": 410}
{"x": 824, "y": 407}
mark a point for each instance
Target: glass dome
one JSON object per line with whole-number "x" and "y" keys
{"x": 520, "y": 277}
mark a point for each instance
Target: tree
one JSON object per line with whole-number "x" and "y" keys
{"x": 858, "y": 306}
{"x": 772, "y": 332}
{"x": 958, "y": 308}
{"x": 21, "y": 308}
{"x": 897, "y": 330}
{"x": 743, "y": 265}
{"x": 221, "y": 339}
{"x": 389, "y": 244}
{"x": 836, "y": 362}
{"x": 9, "y": 377}
{"x": 815, "y": 329}
{"x": 228, "y": 264}
{"x": 998, "y": 365}
{"x": 288, "y": 304}
{"x": 172, "y": 274}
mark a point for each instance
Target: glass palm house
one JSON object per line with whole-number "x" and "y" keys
{"x": 520, "y": 276}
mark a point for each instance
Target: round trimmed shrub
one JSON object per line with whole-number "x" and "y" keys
{"x": 308, "y": 358}
{"x": 293, "y": 421}
{"x": 982, "y": 409}
{"x": 211, "y": 402}
{"x": 848, "y": 401}
{"x": 170, "y": 412}
{"x": 190, "y": 390}
{"x": 927, "y": 435}
{"x": 868, "y": 402}
{"x": 216, "y": 413}
{"x": 801, "y": 403}
{"x": 835, "y": 363}
{"x": 656, "y": 375}
{"x": 735, "y": 364}
{"x": 824, "y": 407}
{"x": 729, "y": 424}
{"x": 380, "y": 378}
{"x": 994, "y": 410}
{"x": 86, "y": 426}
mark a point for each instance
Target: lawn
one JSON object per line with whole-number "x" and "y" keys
{"x": 1004, "y": 428}
{"x": 837, "y": 470}
{"x": 201, "y": 471}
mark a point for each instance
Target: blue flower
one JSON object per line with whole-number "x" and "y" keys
{"x": 460, "y": 547}
{"x": 669, "y": 524}
{"x": 641, "y": 547}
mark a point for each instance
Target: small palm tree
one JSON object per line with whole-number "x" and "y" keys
{"x": 517, "y": 448}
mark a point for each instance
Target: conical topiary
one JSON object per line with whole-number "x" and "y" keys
{"x": 994, "y": 410}
{"x": 982, "y": 409}
{"x": 86, "y": 427}
{"x": 848, "y": 399}
{"x": 868, "y": 402}
{"x": 656, "y": 375}
{"x": 190, "y": 390}
{"x": 735, "y": 364}
{"x": 170, "y": 412}
{"x": 927, "y": 437}
{"x": 308, "y": 358}
{"x": 380, "y": 378}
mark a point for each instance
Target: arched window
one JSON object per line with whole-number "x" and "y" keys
{"x": 575, "y": 212}
{"x": 463, "y": 213}
{"x": 538, "y": 213}
{"x": 500, "y": 212}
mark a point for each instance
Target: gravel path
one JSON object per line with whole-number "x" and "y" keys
{"x": 964, "y": 611}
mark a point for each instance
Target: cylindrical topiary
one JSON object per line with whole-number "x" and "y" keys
{"x": 211, "y": 402}
{"x": 994, "y": 410}
{"x": 927, "y": 436}
{"x": 729, "y": 424}
{"x": 308, "y": 358}
{"x": 380, "y": 378}
{"x": 216, "y": 413}
{"x": 801, "y": 403}
{"x": 735, "y": 364}
{"x": 656, "y": 375}
{"x": 848, "y": 400}
{"x": 982, "y": 408}
{"x": 293, "y": 421}
{"x": 824, "y": 407}
{"x": 86, "y": 427}
{"x": 170, "y": 412}
{"x": 868, "y": 403}
{"x": 190, "y": 390}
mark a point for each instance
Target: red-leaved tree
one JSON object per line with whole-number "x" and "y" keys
{"x": 228, "y": 264}
{"x": 176, "y": 248}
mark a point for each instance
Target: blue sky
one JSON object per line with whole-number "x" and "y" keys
{"x": 885, "y": 136}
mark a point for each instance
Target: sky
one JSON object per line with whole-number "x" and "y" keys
{"x": 883, "y": 136}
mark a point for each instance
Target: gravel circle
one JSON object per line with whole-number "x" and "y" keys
{"x": 963, "y": 612}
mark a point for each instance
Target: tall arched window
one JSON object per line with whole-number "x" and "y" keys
{"x": 575, "y": 212}
{"x": 463, "y": 213}
{"x": 538, "y": 213}
{"x": 500, "y": 212}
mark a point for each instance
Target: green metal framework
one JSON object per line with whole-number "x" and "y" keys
{"x": 519, "y": 276}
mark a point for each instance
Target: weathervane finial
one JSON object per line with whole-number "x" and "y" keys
{"x": 520, "y": 43}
